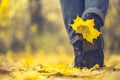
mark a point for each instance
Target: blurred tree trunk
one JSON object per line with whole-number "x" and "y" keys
{"x": 114, "y": 26}
{"x": 36, "y": 16}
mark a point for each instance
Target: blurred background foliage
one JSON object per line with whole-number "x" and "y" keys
{"x": 38, "y": 25}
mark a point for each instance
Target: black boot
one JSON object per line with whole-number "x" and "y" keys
{"x": 88, "y": 58}
{"x": 95, "y": 56}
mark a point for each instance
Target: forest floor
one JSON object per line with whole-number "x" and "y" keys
{"x": 52, "y": 66}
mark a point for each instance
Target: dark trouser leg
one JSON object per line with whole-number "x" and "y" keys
{"x": 95, "y": 9}
{"x": 70, "y": 10}
{"x": 98, "y": 7}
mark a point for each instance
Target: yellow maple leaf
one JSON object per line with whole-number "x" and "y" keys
{"x": 86, "y": 28}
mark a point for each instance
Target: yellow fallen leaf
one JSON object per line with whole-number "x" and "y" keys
{"x": 86, "y": 28}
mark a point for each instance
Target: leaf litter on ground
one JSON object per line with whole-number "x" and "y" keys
{"x": 41, "y": 66}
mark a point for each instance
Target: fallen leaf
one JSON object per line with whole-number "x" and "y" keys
{"x": 86, "y": 28}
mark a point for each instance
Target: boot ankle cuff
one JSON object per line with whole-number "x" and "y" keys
{"x": 97, "y": 20}
{"x": 94, "y": 11}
